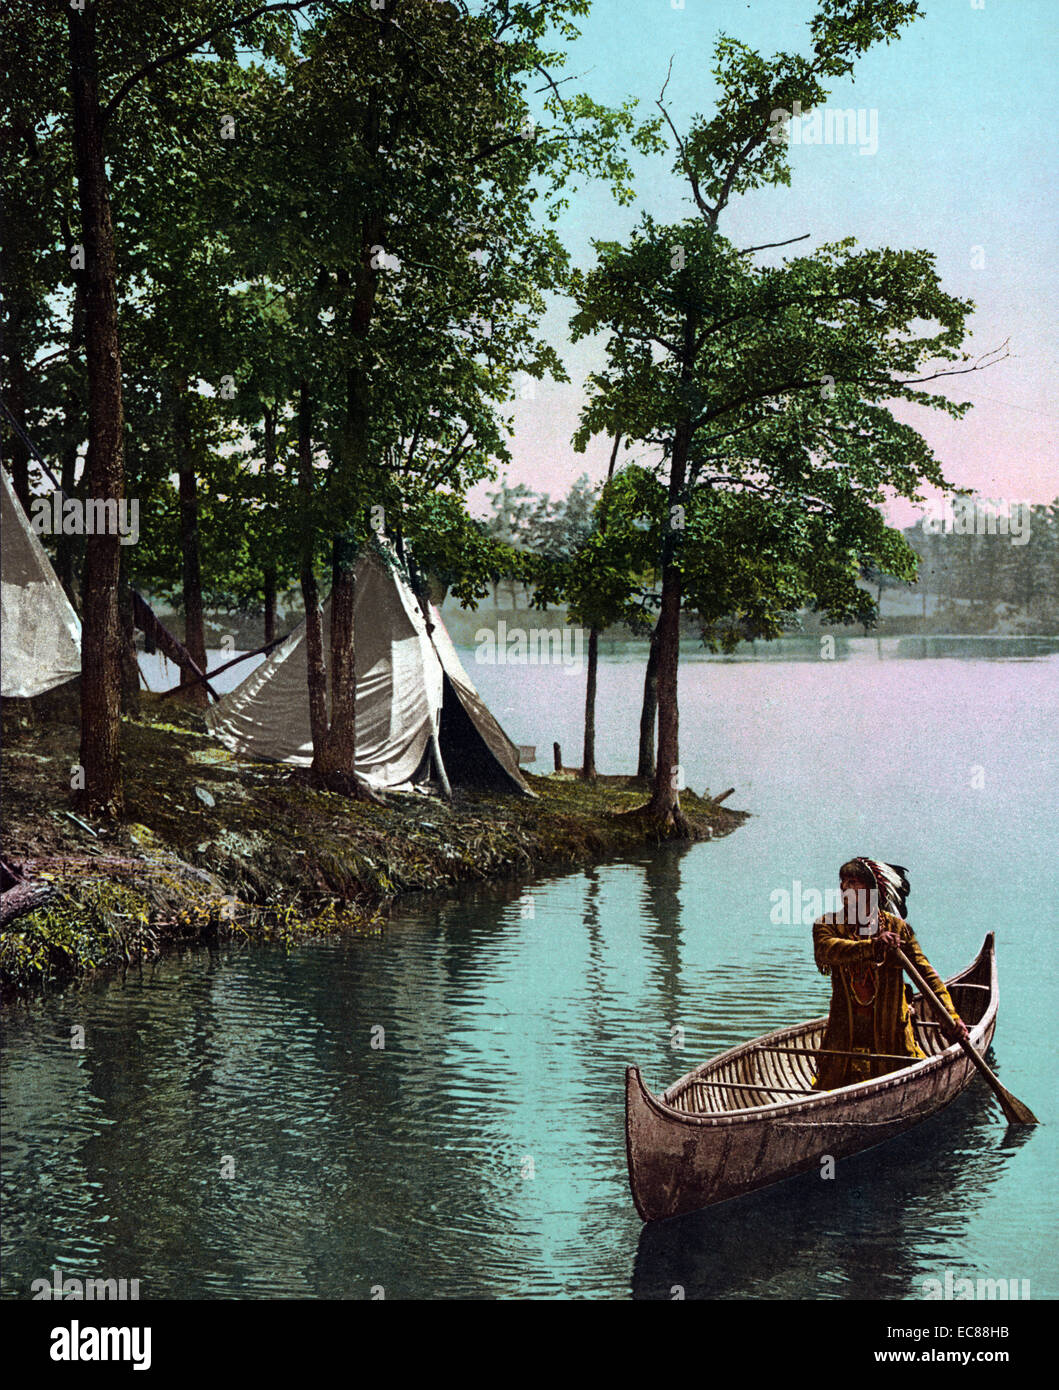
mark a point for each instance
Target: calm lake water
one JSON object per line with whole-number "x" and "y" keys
{"x": 230, "y": 1131}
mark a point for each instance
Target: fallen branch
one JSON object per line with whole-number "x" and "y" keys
{"x": 23, "y": 898}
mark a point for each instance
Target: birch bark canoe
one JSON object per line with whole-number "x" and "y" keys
{"x": 738, "y": 1123}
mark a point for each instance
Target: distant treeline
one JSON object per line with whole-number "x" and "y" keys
{"x": 980, "y": 565}
{"x": 973, "y": 582}
{"x": 1000, "y": 575}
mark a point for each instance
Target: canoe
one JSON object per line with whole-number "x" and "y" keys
{"x": 748, "y": 1118}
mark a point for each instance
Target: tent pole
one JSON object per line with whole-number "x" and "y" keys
{"x": 435, "y": 753}
{"x": 151, "y": 625}
{"x": 209, "y": 675}
{"x": 435, "y": 742}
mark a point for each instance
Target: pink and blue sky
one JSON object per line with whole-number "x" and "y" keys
{"x": 966, "y": 166}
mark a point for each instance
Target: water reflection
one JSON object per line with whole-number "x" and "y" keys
{"x": 663, "y": 929}
{"x": 912, "y": 647}
{"x": 439, "y": 1111}
{"x": 974, "y": 648}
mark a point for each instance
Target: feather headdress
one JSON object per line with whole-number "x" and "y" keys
{"x": 892, "y": 882}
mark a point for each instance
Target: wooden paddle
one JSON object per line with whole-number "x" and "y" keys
{"x": 1013, "y": 1108}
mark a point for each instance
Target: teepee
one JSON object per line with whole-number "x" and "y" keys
{"x": 415, "y": 703}
{"x": 40, "y": 636}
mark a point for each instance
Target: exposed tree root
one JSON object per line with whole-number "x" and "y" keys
{"x": 356, "y": 788}
{"x": 669, "y": 824}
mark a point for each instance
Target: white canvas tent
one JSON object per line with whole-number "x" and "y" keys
{"x": 40, "y": 636}
{"x": 410, "y": 685}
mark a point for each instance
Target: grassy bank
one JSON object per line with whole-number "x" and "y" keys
{"x": 211, "y": 848}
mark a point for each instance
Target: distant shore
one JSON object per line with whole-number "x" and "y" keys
{"x": 213, "y": 850}
{"x": 899, "y": 617}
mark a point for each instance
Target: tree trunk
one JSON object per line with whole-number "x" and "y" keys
{"x": 270, "y": 603}
{"x": 16, "y": 392}
{"x": 22, "y": 898}
{"x": 269, "y": 571}
{"x": 314, "y": 659}
{"x": 130, "y": 667}
{"x": 665, "y": 797}
{"x": 588, "y": 756}
{"x": 101, "y": 630}
{"x": 334, "y": 758}
{"x": 269, "y": 414}
{"x": 314, "y": 637}
{"x": 335, "y": 763}
{"x": 194, "y": 618}
{"x": 67, "y": 546}
{"x": 645, "y": 766}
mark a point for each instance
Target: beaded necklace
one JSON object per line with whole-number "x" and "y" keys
{"x": 868, "y": 974}
{"x": 860, "y": 980}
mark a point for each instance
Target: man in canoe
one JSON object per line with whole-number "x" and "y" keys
{"x": 869, "y": 1005}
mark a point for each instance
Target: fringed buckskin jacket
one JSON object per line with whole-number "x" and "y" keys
{"x": 869, "y": 1008}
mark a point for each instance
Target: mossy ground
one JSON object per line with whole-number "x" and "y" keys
{"x": 211, "y": 848}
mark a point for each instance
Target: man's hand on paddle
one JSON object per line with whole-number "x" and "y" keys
{"x": 958, "y": 1028}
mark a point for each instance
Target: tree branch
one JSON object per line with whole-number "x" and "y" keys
{"x": 182, "y": 50}
{"x": 551, "y": 83}
{"x": 980, "y": 365}
{"x": 490, "y": 150}
{"x": 39, "y": 362}
{"x": 767, "y": 245}
{"x": 700, "y": 202}
{"x": 733, "y": 168}
{"x": 650, "y": 338}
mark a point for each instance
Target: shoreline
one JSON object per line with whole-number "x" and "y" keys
{"x": 212, "y": 849}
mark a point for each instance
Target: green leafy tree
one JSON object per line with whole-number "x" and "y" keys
{"x": 92, "y": 70}
{"x": 771, "y": 381}
{"x": 406, "y": 242}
